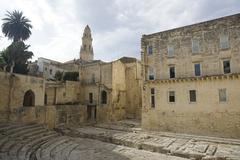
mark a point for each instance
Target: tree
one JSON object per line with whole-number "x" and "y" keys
{"x": 59, "y": 76}
{"x": 71, "y": 76}
{"x": 16, "y": 26}
{"x": 3, "y": 63}
{"x": 16, "y": 54}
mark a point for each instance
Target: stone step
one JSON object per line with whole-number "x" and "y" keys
{"x": 46, "y": 153}
{"x": 21, "y": 128}
{"x": 16, "y": 137}
{"x": 45, "y": 145}
{"x": 22, "y": 133}
{"x": 66, "y": 152}
{"x": 30, "y": 136}
{"x": 39, "y": 152}
{"x": 59, "y": 149}
{"x": 26, "y": 150}
{"x": 9, "y": 127}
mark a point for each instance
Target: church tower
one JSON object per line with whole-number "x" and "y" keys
{"x": 86, "y": 51}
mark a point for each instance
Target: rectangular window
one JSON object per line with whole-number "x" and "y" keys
{"x": 90, "y": 97}
{"x": 195, "y": 46}
{"x": 150, "y": 50}
{"x": 222, "y": 95}
{"x": 152, "y": 97}
{"x": 170, "y": 51}
{"x": 151, "y": 77}
{"x": 151, "y": 73}
{"x": 172, "y": 72}
{"x": 171, "y": 96}
{"x": 224, "y": 42}
{"x": 226, "y": 67}
{"x": 197, "y": 69}
{"x": 192, "y": 96}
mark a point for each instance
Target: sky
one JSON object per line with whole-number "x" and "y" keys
{"x": 117, "y": 25}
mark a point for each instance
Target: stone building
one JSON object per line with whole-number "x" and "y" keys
{"x": 107, "y": 86}
{"x": 103, "y": 93}
{"x": 191, "y": 78}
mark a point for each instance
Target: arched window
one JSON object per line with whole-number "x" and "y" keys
{"x": 29, "y": 98}
{"x": 104, "y": 97}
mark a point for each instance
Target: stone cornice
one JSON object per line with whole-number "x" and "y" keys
{"x": 189, "y": 79}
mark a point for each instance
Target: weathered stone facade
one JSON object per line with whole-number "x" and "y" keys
{"x": 191, "y": 78}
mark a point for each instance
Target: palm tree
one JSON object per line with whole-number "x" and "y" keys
{"x": 16, "y": 53}
{"x": 16, "y": 26}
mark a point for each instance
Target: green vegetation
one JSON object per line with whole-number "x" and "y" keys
{"x": 59, "y": 76}
{"x": 15, "y": 57}
{"x": 71, "y": 76}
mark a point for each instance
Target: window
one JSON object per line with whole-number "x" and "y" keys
{"x": 151, "y": 73}
{"x": 93, "y": 78}
{"x": 45, "y": 68}
{"x": 192, "y": 96}
{"x": 152, "y": 97}
{"x": 90, "y": 97}
{"x": 50, "y": 71}
{"x": 224, "y": 42}
{"x": 226, "y": 67}
{"x": 195, "y": 46}
{"x": 172, "y": 72}
{"x": 104, "y": 97}
{"x": 222, "y": 95}
{"x": 171, "y": 96}
{"x": 150, "y": 50}
{"x": 170, "y": 51}
{"x": 197, "y": 69}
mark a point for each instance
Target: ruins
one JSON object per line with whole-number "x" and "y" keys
{"x": 180, "y": 101}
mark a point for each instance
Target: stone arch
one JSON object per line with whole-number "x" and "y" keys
{"x": 104, "y": 97}
{"x": 29, "y": 98}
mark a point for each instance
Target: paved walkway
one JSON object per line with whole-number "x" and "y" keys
{"x": 180, "y": 145}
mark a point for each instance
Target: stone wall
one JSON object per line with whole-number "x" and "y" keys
{"x": 210, "y": 55}
{"x": 62, "y": 93}
{"x": 133, "y": 90}
{"x": 52, "y": 116}
{"x": 13, "y": 88}
{"x": 207, "y": 116}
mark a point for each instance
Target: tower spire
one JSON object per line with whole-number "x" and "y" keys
{"x": 86, "y": 51}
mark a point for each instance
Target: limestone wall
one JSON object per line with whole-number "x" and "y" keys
{"x": 210, "y": 55}
{"x": 133, "y": 90}
{"x": 207, "y": 116}
{"x": 12, "y": 90}
{"x": 51, "y": 116}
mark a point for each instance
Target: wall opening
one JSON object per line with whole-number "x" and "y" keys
{"x": 45, "y": 99}
{"x": 104, "y": 97}
{"x": 29, "y": 98}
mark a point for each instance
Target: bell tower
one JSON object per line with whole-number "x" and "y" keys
{"x": 86, "y": 51}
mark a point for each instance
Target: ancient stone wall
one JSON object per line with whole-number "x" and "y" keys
{"x": 133, "y": 90}
{"x": 13, "y": 88}
{"x": 207, "y": 116}
{"x": 62, "y": 93}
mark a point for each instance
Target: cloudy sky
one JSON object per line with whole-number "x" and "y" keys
{"x": 117, "y": 25}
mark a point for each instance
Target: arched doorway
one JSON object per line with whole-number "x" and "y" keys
{"x": 29, "y": 98}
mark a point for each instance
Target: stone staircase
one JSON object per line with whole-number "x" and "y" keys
{"x": 179, "y": 145}
{"x": 33, "y": 142}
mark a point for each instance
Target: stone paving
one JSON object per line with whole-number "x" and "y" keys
{"x": 180, "y": 145}
{"x": 34, "y": 142}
